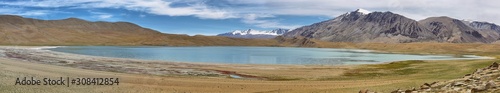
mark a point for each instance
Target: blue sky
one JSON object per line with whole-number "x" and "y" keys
{"x": 210, "y": 17}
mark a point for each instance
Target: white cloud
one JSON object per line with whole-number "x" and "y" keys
{"x": 104, "y": 16}
{"x": 6, "y": 10}
{"x": 158, "y": 7}
{"x": 481, "y": 10}
{"x": 23, "y": 12}
{"x": 257, "y": 20}
{"x": 34, "y": 13}
{"x": 100, "y": 15}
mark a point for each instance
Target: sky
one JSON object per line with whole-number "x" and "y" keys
{"x": 211, "y": 17}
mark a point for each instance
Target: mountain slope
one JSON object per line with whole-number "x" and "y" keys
{"x": 250, "y": 33}
{"x": 19, "y": 30}
{"x": 361, "y": 27}
{"x": 387, "y": 27}
{"x": 16, "y": 30}
{"x": 457, "y": 31}
{"x": 492, "y": 30}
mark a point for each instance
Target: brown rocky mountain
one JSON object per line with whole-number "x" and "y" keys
{"x": 16, "y": 30}
{"x": 387, "y": 27}
{"x": 458, "y": 31}
{"x": 493, "y": 29}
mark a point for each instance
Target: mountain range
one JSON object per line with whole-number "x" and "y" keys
{"x": 387, "y": 27}
{"x": 356, "y": 26}
{"x": 250, "y": 33}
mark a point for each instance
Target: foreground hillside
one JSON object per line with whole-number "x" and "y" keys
{"x": 16, "y": 30}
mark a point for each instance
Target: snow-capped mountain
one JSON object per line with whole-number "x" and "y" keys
{"x": 250, "y": 33}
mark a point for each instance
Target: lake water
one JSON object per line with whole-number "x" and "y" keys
{"x": 251, "y": 55}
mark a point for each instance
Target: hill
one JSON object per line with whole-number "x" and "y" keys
{"x": 16, "y": 30}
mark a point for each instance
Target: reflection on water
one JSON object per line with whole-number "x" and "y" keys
{"x": 251, "y": 55}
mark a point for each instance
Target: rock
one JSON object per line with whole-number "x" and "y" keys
{"x": 493, "y": 66}
{"x": 479, "y": 88}
{"x": 427, "y": 84}
{"x": 491, "y": 84}
{"x": 458, "y": 84}
{"x": 457, "y": 89}
{"x": 408, "y": 91}
{"x": 423, "y": 87}
{"x": 476, "y": 77}
{"x": 469, "y": 86}
{"x": 468, "y": 74}
{"x": 366, "y": 91}
{"x": 485, "y": 78}
{"x": 489, "y": 72}
{"x": 363, "y": 91}
{"x": 478, "y": 71}
{"x": 468, "y": 80}
{"x": 397, "y": 91}
{"x": 468, "y": 90}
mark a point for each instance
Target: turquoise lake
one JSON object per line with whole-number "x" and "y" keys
{"x": 252, "y": 55}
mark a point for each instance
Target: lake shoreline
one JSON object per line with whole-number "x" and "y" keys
{"x": 39, "y": 54}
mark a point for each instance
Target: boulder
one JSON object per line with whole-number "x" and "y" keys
{"x": 458, "y": 84}
{"x": 478, "y": 88}
{"x": 478, "y": 71}
{"x": 397, "y": 91}
{"x": 495, "y": 65}
{"x": 491, "y": 84}
{"x": 468, "y": 74}
{"x": 423, "y": 87}
{"x": 408, "y": 91}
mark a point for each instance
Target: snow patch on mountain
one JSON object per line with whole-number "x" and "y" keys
{"x": 363, "y": 11}
{"x": 250, "y": 33}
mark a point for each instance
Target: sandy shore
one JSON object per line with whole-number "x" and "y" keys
{"x": 141, "y": 76}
